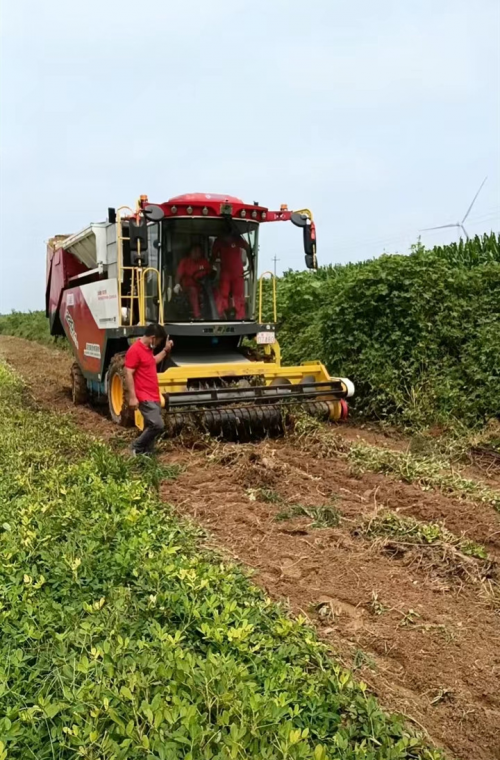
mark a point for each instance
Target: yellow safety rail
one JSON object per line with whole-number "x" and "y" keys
{"x": 137, "y": 279}
{"x": 275, "y": 308}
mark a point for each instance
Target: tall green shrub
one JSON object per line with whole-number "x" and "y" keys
{"x": 32, "y": 325}
{"x": 418, "y": 334}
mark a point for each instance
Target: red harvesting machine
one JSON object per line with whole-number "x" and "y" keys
{"x": 107, "y": 282}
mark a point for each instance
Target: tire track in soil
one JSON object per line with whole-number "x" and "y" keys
{"x": 439, "y": 665}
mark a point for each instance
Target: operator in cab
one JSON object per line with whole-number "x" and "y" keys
{"x": 230, "y": 250}
{"x": 192, "y": 268}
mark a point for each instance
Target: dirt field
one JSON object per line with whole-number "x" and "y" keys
{"x": 422, "y": 634}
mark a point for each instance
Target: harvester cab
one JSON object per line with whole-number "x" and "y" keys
{"x": 190, "y": 264}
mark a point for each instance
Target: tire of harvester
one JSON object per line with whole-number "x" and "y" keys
{"x": 119, "y": 409}
{"x": 79, "y": 390}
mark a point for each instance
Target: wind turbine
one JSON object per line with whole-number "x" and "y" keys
{"x": 460, "y": 225}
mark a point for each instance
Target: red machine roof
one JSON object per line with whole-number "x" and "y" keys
{"x": 204, "y": 197}
{"x": 211, "y": 205}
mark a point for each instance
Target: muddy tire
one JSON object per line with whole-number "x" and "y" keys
{"x": 79, "y": 390}
{"x": 119, "y": 410}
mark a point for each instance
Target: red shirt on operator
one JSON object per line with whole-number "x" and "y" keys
{"x": 229, "y": 250}
{"x": 192, "y": 268}
{"x": 140, "y": 358}
{"x": 141, "y": 382}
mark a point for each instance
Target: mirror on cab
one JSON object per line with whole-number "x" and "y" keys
{"x": 153, "y": 213}
{"x": 304, "y": 221}
{"x": 138, "y": 232}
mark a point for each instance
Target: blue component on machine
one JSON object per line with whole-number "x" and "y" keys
{"x": 96, "y": 387}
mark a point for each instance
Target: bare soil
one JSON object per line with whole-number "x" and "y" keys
{"x": 426, "y": 639}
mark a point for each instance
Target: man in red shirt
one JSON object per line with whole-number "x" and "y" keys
{"x": 229, "y": 249}
{"x": 142, "y": 385}
{"x": 189, "y": 272}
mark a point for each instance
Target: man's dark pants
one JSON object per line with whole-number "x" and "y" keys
{"x": 153, "y": 427}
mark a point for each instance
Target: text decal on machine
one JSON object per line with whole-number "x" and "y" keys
{"x": 265, "y": 338}
{"x": 92, "y": 350}
{"x": 71, "y": 326}
{"x": 102, "y": 299}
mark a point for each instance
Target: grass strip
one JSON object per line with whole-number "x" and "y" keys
{"x": 416, "y": 532}
{"x": 433, "y": 548}
{"x": 430, "y": 473}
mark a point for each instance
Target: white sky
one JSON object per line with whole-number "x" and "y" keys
{"x": 382, "y": 117}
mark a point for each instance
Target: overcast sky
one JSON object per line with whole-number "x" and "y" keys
{"x": 382, "y": 117}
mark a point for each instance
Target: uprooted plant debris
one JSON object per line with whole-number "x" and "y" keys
{"x": 429, "y": 547}
{"x": 322, "y": 517}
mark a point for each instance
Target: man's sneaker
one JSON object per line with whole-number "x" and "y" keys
{"x": 133, "y": 453}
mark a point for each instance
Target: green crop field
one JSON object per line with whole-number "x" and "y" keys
{"x": 121, "y": 637}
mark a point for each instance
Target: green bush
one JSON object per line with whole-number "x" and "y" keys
{"x": 32, "y": 325}
{"x": 418, "y": 334}
{"x": 121, "y": 638}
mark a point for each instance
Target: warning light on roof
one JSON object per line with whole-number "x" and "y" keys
{"x": 284, "y": 207}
